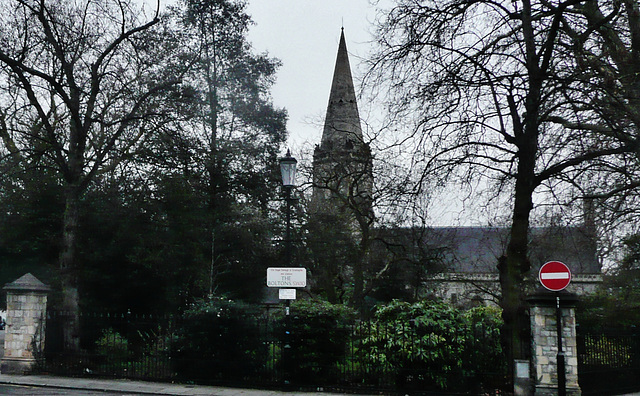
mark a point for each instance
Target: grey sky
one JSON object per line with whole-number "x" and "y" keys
{"x": 304, "y": 35}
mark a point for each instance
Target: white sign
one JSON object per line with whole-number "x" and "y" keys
{"x": 287, "y": 294}
{"x": 522, "y": 369}
{"x": 286, "y": 277}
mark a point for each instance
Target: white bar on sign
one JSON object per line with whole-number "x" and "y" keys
{"x": 555, "y": 275}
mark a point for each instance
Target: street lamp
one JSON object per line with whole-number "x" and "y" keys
{"x": 288, "y": 171}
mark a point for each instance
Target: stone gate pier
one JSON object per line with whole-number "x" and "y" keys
{"x": 26, "y": 318}
{"x": 544, "y": 348}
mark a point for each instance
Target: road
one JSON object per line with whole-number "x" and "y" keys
{"x": 40, "y": 391}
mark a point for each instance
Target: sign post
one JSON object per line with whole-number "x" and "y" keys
{"x": 285, "y": 279}
{"x": 555, "y": 276}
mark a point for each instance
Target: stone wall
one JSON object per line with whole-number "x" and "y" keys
{"x": 461, "y": 288}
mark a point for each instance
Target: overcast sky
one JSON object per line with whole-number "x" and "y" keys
{"x": 304, "y": 35}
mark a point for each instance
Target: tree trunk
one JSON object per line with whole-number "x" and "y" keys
{"x": 357, "y": 299}
{"x": 69, "y": 270}
{"x": 327, "y": 284}
{"x": 512, "y": 271}
{"x": 213, "y": 166}
{"x": 514, "y": 268}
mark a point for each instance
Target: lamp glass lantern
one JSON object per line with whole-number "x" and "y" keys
{"x": 288, "y": 170}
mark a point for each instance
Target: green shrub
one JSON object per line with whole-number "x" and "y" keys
{"x": 616, "y": 305}
{"x": 484, "y": 363}
{"x": 319, "y": 335}
{"x": 219, "y": 340}
{"x": 430, "y": 345}
{"x": 113, "y": 349}
{"x": 153, "y": 359}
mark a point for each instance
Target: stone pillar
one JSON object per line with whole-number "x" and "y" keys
{"x": 26, "y": 317}
{"x": 544, "y": 352}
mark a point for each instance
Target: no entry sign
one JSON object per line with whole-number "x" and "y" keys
{"x": 554, "y": 275}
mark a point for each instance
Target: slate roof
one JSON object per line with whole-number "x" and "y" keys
{"x": 477, "y": 249}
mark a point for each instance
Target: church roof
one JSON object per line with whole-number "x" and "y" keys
{"x": 477, "y": 249}
{"x": 342, "y": 121}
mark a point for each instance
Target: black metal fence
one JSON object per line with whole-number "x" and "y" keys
{"x": 358, "y": 357}
{"x": 112, "y": 345}
{"x": 609, "y": 362}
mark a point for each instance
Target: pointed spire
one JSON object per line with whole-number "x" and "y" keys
{"x": 342, "y": 122}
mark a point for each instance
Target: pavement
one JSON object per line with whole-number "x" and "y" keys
{"x": 134, "y": 387}
{"x": 124, "y": 387}
{"x": 139, "y": 387}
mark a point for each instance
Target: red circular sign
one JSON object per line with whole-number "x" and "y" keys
{"x": 554, "y": 275}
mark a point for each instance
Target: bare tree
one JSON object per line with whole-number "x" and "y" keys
{"x": 83, "y": 79}
{"x": 483, "y": 81}
{"x": 604, "y": 39}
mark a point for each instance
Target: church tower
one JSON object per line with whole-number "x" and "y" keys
{"x": 342, "y": 163}
{"x": 340, "y": 212}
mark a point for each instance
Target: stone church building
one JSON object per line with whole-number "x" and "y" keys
{"x": 455, "y": 263}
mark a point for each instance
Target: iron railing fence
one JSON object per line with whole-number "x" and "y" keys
{"x": 359, "y": 356}
{"x": 112, "y": 345}
{"x": 609, "y": 362}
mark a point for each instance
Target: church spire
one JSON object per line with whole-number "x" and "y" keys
{"x": 342, "y": 122}
{"x": 342, "y": 163}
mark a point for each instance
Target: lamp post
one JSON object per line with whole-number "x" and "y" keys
{"x": 288, "y": 171}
